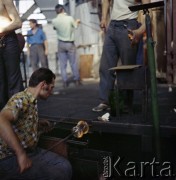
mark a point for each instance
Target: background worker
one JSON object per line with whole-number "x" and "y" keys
{"x": 117, "y": 45}
{"x": 37, "y": 45}
{"x": 64, "y": 26}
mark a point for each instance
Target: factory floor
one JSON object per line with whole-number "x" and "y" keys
{"x": 127, "y": 135}
{"x": 76, "y": 102}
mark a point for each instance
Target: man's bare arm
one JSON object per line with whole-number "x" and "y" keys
{"x": 7, "y": 133}
{"x": 139, "y": 32}
{"x": 10, "y": 138}
{"x": 46, "y": 47}
{"x": 13, "y": 16}
{"x": 105, "y": 11}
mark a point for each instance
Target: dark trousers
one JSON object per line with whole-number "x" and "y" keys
{"x": 10, "y": 74}
{"x": 37, "y": 54}
{"x": 116, "y": 46}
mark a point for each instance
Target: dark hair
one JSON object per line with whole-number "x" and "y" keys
{"x": 41, "y": 74}
{"x": 59, "y": 8}
{"x": 33, "y": 21}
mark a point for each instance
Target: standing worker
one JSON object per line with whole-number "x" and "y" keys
{"x": 117, "y": 45}
{"x": 65, "y": 25}
{"x": 10, "y": 74}
{"x": 37, "y": 45}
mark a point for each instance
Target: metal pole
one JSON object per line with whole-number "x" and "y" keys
{"x": 153, "y": 83}
{"x": 165, "y": 26}
{"x": 72, "y": 7}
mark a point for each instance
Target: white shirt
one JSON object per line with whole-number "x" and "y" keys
{"x": 120, "y": 10}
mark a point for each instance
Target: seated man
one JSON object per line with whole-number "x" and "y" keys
{"x": 20, "y": 158}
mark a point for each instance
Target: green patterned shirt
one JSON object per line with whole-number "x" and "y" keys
{"x": 24, "y": 108}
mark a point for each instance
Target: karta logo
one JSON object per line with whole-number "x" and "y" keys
{"x": 141, "y": 169}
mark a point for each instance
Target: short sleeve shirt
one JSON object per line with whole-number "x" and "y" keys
{"x": 64, "y": 26}
{"x": 24, "y": 108}
{"x": 38, "y": 38}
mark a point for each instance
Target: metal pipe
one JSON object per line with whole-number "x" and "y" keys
{"x": 165, "y": 26}
{"x": 153, "y": 83}
{"x": 96, "y": 29}
{"x": 171, "y": 18}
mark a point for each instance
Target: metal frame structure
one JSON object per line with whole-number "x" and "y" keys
{"x": 170, "y": 26}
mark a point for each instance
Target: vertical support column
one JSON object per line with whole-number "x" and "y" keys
{"x": 72, "y": 7}
{"x": 152, "y": 69}
{"x": 174, "y": 41}
{"x": 169, "y": 40}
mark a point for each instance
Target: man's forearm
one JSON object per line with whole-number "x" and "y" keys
{"x": 46, "y": 45}
{"x": 14, "y": 25}
{"x": 9, "y": 137}
{"x": 146, "y": 1}
{"x": 105, "y": 9}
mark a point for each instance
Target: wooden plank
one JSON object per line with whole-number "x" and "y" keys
{"x": 86, "y": 62}
{"x": 125, "y": 67}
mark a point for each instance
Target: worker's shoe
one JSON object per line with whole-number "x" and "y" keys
{"x": 77, "y": 83}
{"x": 100, "y": 107}
{"x": 65, "y": 84}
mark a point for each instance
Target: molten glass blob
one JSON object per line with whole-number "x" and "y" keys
{"x": 80, "y": 129}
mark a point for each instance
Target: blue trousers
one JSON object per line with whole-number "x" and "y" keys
{"x": 67, "y": 52}
{"x": 48, "y": 166}
{"x": 10, "y": 74}
{"x": 116, "y": 46}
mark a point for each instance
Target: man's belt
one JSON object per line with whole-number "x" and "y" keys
{"x": 3, "y": 36}
{"x": 67, "y": 41}
{"x": 35, "y": 44}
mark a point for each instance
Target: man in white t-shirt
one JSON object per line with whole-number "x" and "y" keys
{"x": 117, "y": 44}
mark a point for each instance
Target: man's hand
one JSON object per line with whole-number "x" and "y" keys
{"x": 24, "y": 162}
{"x": 103, "y": 25}
{"x": 136, "y": 36}
{"x": 78, "y": 21}
{"x": 45, "y": 126}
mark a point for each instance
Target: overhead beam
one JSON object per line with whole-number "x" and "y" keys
{"x": 29, "y": 12}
